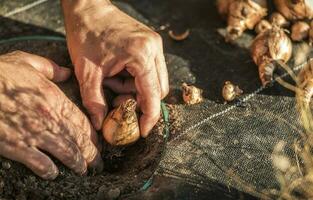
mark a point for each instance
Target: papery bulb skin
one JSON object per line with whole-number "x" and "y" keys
{"x": 121, "y": 126}
{"x": 268, "y": 47}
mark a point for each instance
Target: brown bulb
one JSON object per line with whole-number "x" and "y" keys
{"x": 262, "y": 26}
{"x": 243, "y": 15}
{"x": 300, "y": 31}
{"x": 121, "y": 125}
{"x": 191, "y": 94}
{"x": 295, "y": 9}
{"x": 268, "y": 47}
{"x": 230, "y": 91}
{"x": 279, "y": 20}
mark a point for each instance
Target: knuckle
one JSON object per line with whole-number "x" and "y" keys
{"x": 89, "y": 104}
{"x": 70, "y": 150}
{"x": 140, "y": 43}
{"x": 146, "y": 70}
{"x": 68, "y": 109}
{"x": 89, "y": 152}
{"x": 145, "y": 42}
{"x": 17, "y": 53}
{"x": 82, "y": 133}
{"x": 157, "y": 37}
{"x": 50, "y": 90}
{"x": 16, "y": 56}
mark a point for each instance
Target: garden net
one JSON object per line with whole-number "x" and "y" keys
{"x": 232, "y": 145}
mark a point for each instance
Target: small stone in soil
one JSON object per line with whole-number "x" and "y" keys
{"x": 1, "y": 186}
{"x": 6, "y": 165}
{"x": 105, "y": 194}
{"x": 114, "y": 193}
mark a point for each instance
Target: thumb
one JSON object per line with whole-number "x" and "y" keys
{"x": 90, "y": 81}
{"x": 45, "y": 66}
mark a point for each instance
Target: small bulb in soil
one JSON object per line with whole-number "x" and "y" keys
{"x": 191, "y": 94}
{"x": 305, "y": 78}
{"x": 243, "y": 15}
{"x": 300, "y": 31}
{"x": 230, "y": 91}
{"x": 279, "y": 20}
{"x": 268, "y": 47}
{"x": 295, "y": 9}
{"x": 121, "y": 125}
{"x": 262, "y": 26}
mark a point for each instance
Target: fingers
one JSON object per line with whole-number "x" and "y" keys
{"x": 162, "y": 73}
{"x": 45, "y": 66}
{"x": 90, "y": 80}
{"x": 35, "y": 160}
{"x": 148, "y": 94}
{"x": 63, "y": 149}
{"x": 118, "y": 85}
{"x": 83, "y": 134}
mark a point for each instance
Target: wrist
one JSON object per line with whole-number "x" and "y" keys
{"x": 81, "y": 13}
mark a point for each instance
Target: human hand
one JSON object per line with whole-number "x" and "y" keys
{"x": 36, "y": 117}
{"x": 105, "y": 44}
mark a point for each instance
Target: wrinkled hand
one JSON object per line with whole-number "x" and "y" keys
{"x": 36, "y": 117}
{"x": 111, "y": 49}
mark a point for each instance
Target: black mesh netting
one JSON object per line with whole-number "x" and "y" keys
{"x": 232, "y": 145}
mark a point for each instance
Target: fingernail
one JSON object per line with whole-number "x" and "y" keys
{"x": 66, "y": 72}
{"x": 144, "y": 132}
{"x": 82, "y": 170}
{"x": 97, "y": 164}
{"x": 52, "y": 173}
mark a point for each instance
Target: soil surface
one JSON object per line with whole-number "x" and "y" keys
{"x": 126, "y": 170}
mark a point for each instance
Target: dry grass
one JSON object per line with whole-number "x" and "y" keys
{"x": 296, "y": 175}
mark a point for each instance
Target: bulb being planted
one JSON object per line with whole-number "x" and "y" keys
{"x": 121, "y": 125}
{"x": 295, "y": 9}
{"x": 242, "y": 15}
{"x": 268, "y": 47}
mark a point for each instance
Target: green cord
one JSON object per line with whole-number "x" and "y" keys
{"x": 166, "y": 117}
{"x": 166, "y": 131}
{"x": 33, "y": 37}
